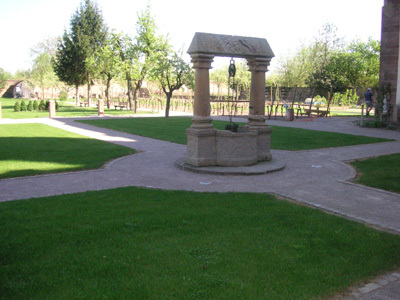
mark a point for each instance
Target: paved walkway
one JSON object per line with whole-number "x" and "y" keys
{"x": 318, "y": 178}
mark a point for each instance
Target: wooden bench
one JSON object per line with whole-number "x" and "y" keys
{"x": 315, "y": 110}
{"x": 121, "y": 105}
{"x": 84, "y": 103}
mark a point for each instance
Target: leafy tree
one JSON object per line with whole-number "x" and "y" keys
{"x": 219, "y": 77}
{"x": 366, "y": 55}
{"x": 22, "y": 74}
{"x": 242, "y": 78}
{"x": 147, "y": 45}
{"x": 128, "y": 61}
{"x": 42, "y": 72}
{"x": 107, "y": 60}
{"x": 3, "y": 79}
{"x": 322, "y": 79}
{"x": 293, "y": 70}
{"x": 49, "y": 45}
{"x": 87, "y": 34}
{"x": 172, "y": 72}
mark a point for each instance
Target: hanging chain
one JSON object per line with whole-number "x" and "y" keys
{"x": 232, "y": 73}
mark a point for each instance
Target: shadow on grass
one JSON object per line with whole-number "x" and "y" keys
{"x": 23, "y": 156}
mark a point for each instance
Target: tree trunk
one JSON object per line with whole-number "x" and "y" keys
{"x": 108, "y": 92}
{"x": 129, "y": 93}
{"x": 88, "y": 93}
{"x": 135, "y": 99}
{"x": 167, "y": 105}
{"x": 77, "y": 95}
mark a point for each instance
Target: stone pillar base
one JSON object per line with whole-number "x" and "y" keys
{"x": 396, "y": 115}
{"x": 201, "y": 123}
{"x": 52, "y": 109}
{"x": 100, "y": 108}
{"x": 256, "y": 120}
{"x": 201, "y": 148}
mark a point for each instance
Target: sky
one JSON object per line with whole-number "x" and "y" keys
{"x": 284, "y": 23}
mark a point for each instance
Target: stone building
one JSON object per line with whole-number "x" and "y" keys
{"x": 390, "y": 53}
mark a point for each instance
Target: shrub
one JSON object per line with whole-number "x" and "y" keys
{"x": 63, "y": 95}
{"x": 17, "y": 106}
{"x": 23, "y": 106}
{"x": 30, "y": 106}
{"x": 42, "y": 106}
{"x": 35, "y": 105}
{"x": 348, "y": 98}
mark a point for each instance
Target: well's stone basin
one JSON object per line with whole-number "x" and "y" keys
{"x": 212, "y": 147}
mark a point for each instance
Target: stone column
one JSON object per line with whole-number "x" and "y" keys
{"x": 52, "y": 109}
{"x": 390, "y": 53}
{"x": 257, "y": 67}
{"x": 201, "y": 144}
{"x": 100, "y": 108}
{"x": 201, "y": 106}
{"x": 256, "y": 119}
{"x": 396, "y": 113}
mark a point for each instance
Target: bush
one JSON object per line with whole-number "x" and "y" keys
{"x": 23, "y": 106}
{"x": 30, "y": 106}
{"x": 17, "y": 106}
{"x": 348, "y": 98}
{"x": 35, "y": 105}
{"x": 63, "y": 95}
{"x": 42, "y": 106}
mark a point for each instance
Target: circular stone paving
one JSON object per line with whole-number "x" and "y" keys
{"x": 256, "y": 169}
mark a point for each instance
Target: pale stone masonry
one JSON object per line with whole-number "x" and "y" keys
{"x": 207, "y": 146}
{"x": 100, "y": 108}
{"x": 52, "y": 109}
{"x": 390, "y": 53}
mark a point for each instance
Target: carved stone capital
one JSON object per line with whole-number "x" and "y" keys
{"x": 202, "y": 61}
{"x": 258, "y": 64}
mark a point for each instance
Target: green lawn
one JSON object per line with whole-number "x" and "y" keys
{"x": 66, "y": 109}
{"x": 382, "y": 172}
{"x": 135, "y": 243}
{"x": 31, "y": 149}
{"x": 284, "y": 138}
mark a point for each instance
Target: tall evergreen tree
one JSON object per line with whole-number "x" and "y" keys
{"x": 68, "y": 64}
{"x": 87, "y": 34}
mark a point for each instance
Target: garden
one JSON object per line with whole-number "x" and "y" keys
{"x": 142, "y": 243}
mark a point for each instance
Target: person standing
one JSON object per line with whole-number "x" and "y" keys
{"x": 369, "y": 97}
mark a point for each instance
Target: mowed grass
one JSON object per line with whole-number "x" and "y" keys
{"x": 66, "y": 109}
{"x": 31, "y": 149}
{"x": 283, "y": 138}
{"x": 382, "y": 172}
{"x": 135, "y": 243}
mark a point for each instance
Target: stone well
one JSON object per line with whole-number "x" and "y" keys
{"x": 208, "y": 146}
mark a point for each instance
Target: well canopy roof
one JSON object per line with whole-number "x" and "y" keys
{"x": 230, "y": 46}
